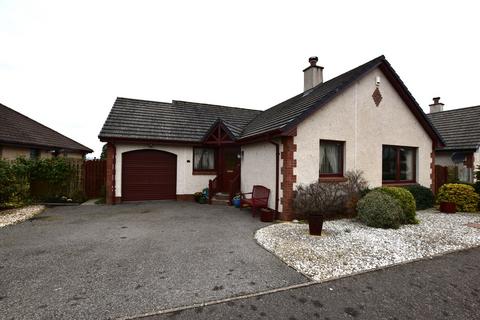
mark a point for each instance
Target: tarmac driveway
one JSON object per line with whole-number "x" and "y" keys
{"x": 92, "y": 262}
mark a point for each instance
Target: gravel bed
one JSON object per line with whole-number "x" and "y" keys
{"x": 348, "y": 246}
{"x": 18, "y": 215}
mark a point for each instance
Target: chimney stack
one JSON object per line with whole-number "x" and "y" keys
{"x": 436, "y": 106}
{"x": 313, "y": 75}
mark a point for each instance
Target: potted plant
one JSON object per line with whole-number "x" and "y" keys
{"x": 448, "y": 207}
{"x": 197, "y": 196}
{"x": 318, "y": 201}
{"x": 236, "y": 201}
{"x": 267, "y": 215}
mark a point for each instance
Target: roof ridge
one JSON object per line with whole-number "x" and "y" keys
{"x": 135, "y": 99}
{"x": 44, "y": 126}
{"x": 458, "y": 109}
{"x": 215, "y": 105}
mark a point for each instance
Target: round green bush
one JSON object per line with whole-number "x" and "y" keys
{"x": 464, "y": 196}
{"x": 380, "y": 210}
{"x": 424, "y": 198}
{"x": 407, "y": 202}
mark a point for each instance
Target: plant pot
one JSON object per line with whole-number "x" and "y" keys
{"x": 236, "y": 203}
{"x": 267, "y": 215}
{"x": 202, "y": 200}
{"x": 448, "y": 207}
{"x": 315, "y": 224}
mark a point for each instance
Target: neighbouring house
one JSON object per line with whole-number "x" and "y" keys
{"x": 460, "y": 129}
{"x": 21, "y": 136}
{"x": 364, "y": 119}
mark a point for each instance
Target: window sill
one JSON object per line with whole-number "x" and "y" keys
{"x": 398, "y": 183}
{"x": 332, "y": 179}
{"x": 204, "y": 173}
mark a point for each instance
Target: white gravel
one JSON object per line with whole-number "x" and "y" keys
{"x": 14, "y": 216}
{"x": 347, "y": 246}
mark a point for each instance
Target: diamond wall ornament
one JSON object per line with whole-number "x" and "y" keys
{"x": 377, "y": 97}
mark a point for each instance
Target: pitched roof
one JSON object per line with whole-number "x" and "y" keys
{"x": 188, "y": 121}
{"x": 460, "y": 128}
{"x": 176, "y": 121}
{"x": 19, "y": 129}
{"x": 292, "y": 110}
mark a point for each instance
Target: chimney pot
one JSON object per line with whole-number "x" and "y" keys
{"x": 313, "y": 61}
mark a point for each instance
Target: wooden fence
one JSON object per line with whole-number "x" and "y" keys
{"x": 95, "y": 173}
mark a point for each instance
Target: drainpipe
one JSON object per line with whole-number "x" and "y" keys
{"x": 277, "y": 171}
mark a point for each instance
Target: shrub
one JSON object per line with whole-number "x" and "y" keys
{"x": 477, "y": 187}
{"x": 42, "y": 179}
{"x": 324, "y": 198}
{"x": 462, "y": 195}
{"x": 380, "y": 210}
{"x": 355, "y": 186}
{"x": 332, "y": 199}
{"x": 424, "y": 198}
{"x": 406, "y": 200}
{"x": 7, "y": 182}
{"x": 364, "y": 192}
{"x": 79, "y": 196}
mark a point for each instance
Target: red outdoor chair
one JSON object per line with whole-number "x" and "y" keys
{"x": 258, "y": 199}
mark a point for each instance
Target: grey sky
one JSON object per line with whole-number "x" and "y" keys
{"x": 63, "y": 63}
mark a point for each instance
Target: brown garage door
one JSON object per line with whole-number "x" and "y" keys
{"x": 148, "y": 175}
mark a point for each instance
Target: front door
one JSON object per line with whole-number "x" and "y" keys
{"x": 229, "y": 165}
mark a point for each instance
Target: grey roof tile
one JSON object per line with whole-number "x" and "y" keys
{"x": 15, "y": 128}
{"x": 179, "y": 120}
{"x": 460, "y": 128}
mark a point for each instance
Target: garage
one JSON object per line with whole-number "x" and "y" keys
{"x": 149, "y": 175}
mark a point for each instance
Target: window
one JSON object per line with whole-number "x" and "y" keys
{"x": 331, "y": 158}
{"x": 34, "y": 154}
{"x": 203, "y": 159}
{"x": 398, "y": 164}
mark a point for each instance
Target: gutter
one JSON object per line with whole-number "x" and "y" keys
{"x": 277, "y": 172}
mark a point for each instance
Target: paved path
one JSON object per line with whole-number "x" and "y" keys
{"x": 100, "y": 262}
{"x": 447, "y": 287}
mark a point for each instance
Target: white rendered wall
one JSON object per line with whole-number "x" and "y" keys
{"x": 187, "y": 183}
{"x": 258, "y": 167}
{"x": 354, "y": 118}
{"x": 444, "y": 159}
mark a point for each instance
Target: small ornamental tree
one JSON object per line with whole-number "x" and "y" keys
{"x": 330, "y": 198}
{"x": 319, "y": 198}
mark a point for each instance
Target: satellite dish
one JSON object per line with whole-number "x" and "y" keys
{"x": 459, "y": 157}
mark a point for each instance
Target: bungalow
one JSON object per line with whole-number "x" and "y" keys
{"x": 460, "y": 129}
{"x": 364, "y": 119}
{"x": 21, "y": 136}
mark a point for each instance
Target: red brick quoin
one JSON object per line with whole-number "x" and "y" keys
{"x": 110, "y": 185}
{"x": 433, "y": 185}
{"x": 288, "y": 164}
